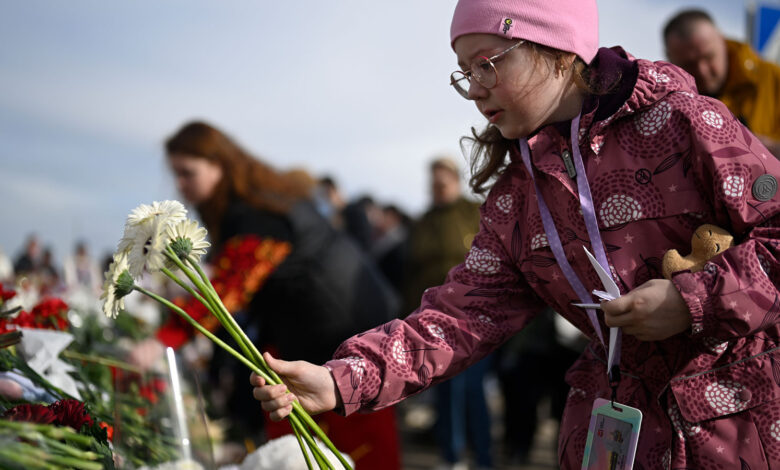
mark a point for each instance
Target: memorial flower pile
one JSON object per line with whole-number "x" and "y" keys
{"x": 160, "y": 238}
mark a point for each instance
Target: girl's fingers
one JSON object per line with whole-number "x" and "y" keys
{"x": 619, "y": 320}
{"x": 256, "y": 380}
{"x": 278, "y": 403}
{"x": 269, "y": 392}
{"x": 280, "y": 414}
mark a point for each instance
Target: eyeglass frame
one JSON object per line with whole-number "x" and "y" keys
{"x": 468, "y": 73}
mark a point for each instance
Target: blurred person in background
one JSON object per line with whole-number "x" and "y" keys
{"x": 6, "y": 267}
{"x": 81, "y": 271}
{"x": 728, "y": 70}
{"x": 357, "y": 218}
{"x": 299, "y": 285}
{"x": 47, "y": 273}
{"x": 28, "y": 261}
{"x": 438, "y": 241}
{"x": 390, "y": 248}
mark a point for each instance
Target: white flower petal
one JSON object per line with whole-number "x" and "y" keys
{"x": 111, "y": 304}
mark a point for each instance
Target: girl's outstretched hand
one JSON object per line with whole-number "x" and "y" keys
{"x": 312, "y": 385}
{"x": 652, "y": 312}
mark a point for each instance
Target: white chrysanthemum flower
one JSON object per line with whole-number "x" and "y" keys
{"x": 117, "y": 285}
{"x": 165, "y": 212}
{"x": 188, "y": 239}
{"x": 147, "y": 247}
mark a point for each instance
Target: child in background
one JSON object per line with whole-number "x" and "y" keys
{"x": 624, "y": 157}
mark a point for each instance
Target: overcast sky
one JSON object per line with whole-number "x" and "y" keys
{"x": 359, "y": 90}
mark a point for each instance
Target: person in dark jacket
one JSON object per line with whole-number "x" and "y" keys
{"x": 300, "y": 286}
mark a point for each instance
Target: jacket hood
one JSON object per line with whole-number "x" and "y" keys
{"x": 653, "y": 82}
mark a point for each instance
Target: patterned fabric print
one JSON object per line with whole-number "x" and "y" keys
{"x": 483, "y": 265}
{"x": 659, "y": 455}
{"x": 753, "y": 271}
{"x": 715, "y": 346}
{"x": 399, "y": 354}
{"x": 506, "y": 207}
{"x": 732, "y": 184}
{"x": 534, "y": 232}
{"x": 656, "y": 131}
{"x": 570, "y": 456}
{"x": 692, "y": 220}
{"x": 767, "y": 419}
{"x": 723, "y": 396}
{"x": 690, "y": 432}
{"x": 437, "y": 328}
{"x": 487, "y": 322}
{"x": 363, "y": 375}
{"x": 618, "y": 199}
{"x": 711, "y": 124}
{"x": 482, "y": 261}
{"x": 574, "y": 225}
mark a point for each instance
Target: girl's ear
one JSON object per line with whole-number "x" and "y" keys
{"x": 560, "y": 64}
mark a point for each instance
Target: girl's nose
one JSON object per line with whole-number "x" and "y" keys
{"x": 476, "y": 90}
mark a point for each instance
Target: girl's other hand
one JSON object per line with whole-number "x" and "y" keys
{"x": 312, "y": 385}
{"x": 652, "y": 312}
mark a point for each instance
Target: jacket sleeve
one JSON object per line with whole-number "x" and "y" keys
{"x": 482, "y": 303}
{"x": 736, "y": 293}
{"x": 240, "y": 269}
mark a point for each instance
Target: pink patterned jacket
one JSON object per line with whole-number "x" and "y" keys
{"x": 668, "y": 161}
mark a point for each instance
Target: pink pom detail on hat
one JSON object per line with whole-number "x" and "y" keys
{"x": 566, "y": 25}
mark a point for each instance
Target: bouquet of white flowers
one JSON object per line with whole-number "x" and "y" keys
{"x": 160, "y": 238}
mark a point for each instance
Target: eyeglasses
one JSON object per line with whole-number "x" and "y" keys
{"x": 482, "y": 69}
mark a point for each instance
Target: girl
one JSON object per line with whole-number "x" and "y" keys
{"x": 624, "y": 157}
{"x": 281, "y": 264}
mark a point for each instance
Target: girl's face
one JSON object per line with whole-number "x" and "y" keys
{"x": 196, "y": 177}
{"x": 528, "y": 94}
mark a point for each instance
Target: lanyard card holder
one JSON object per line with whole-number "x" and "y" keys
{"x": 612, "y": 436}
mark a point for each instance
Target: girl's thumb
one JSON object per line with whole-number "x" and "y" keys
{"x": 279, "y": 366}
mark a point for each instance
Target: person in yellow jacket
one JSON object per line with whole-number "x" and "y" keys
{"x": 728, "y": 70}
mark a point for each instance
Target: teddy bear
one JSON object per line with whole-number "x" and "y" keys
{"x": 706, "y": 242}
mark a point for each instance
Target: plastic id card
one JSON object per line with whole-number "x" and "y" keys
{"x": 612, "y": 436}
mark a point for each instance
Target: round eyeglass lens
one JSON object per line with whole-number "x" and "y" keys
{"x": 484, "y": 72}
{"x": 460, "y": 82}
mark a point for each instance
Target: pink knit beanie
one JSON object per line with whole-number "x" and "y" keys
{"x": 566, "y": 25}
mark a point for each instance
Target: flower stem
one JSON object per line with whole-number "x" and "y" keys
{"x": 210, "y": 302}
{"x": 184, "y": 286}
{"x": 302, "y": 446}
{"x": 255, "y": 353}
{"x": 205, "y": 332}
{"x": 101, "y": 360}
{"x": 322, "y": 461}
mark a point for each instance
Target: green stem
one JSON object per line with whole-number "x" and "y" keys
{"x": 205, "y": 332}
{"x": 18, "y": 455}
{"x": 320, "y": 433}
{"x": 321, "y": 459}
{"x": 184, "y": 286}
{"x": 255, "y": 353}
{"x": 302, "y": 446}
{"x": 101, "y": 360}
{"x": 211, "y": 304}
{"x": 259, "y": 366}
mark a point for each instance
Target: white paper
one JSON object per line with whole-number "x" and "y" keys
{"x": 611, "y": 292}
{"x": 41, "y": 350}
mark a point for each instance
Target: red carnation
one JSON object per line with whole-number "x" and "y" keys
{"x": 6, "y": 294}
{"x": 71, "y": 413}
{"x": 31, "y": 414}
